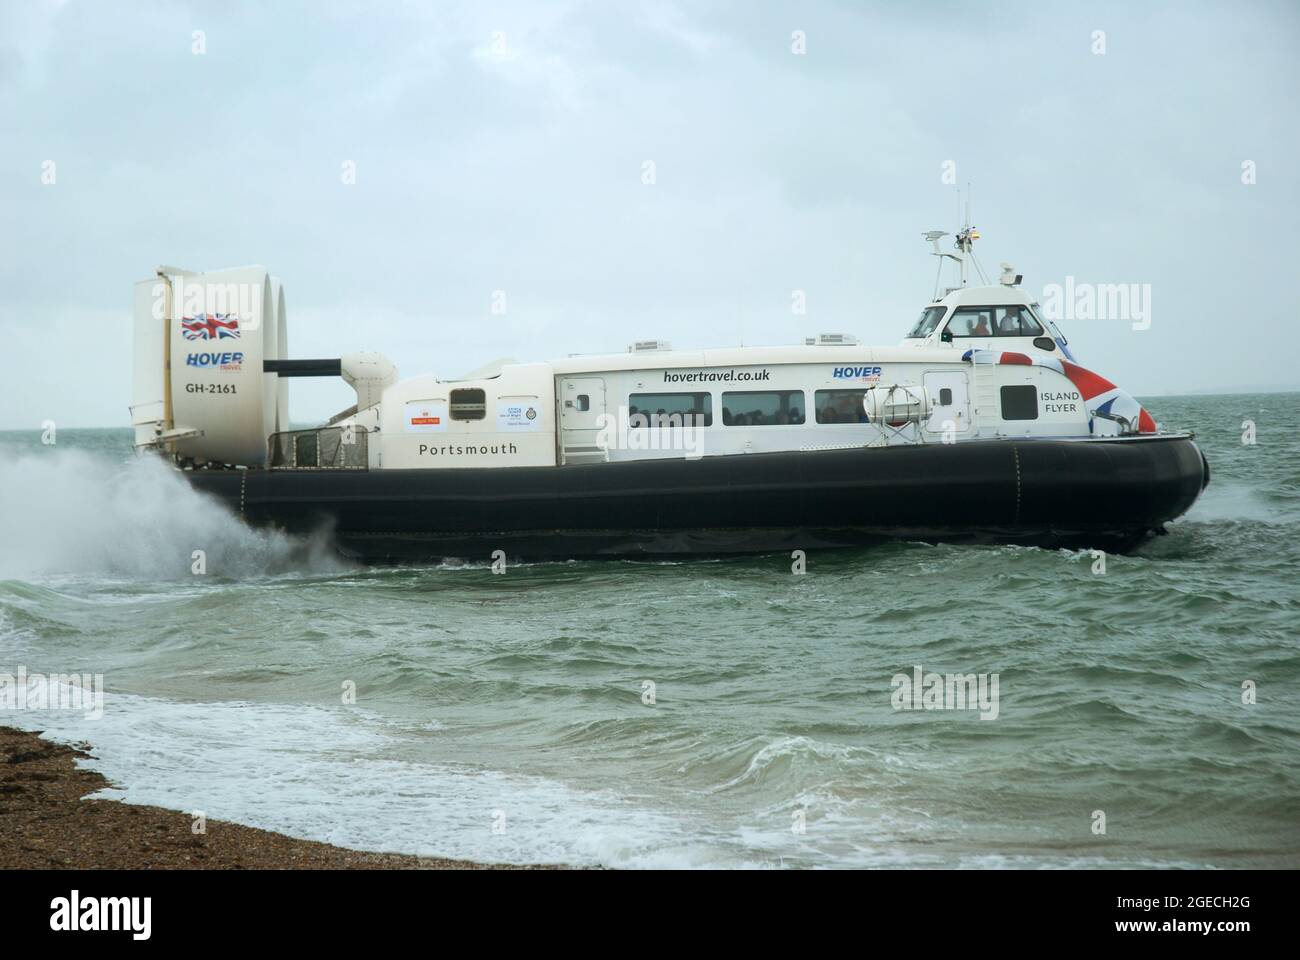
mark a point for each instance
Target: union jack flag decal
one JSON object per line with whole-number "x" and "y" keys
{"x": 209, "y": 326}
{"x": 1101, "y": 396}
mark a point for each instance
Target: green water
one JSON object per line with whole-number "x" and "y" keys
{"x": 502, "y": 717}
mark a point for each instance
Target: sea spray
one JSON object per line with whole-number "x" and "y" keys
{"x": 66, "y": 511}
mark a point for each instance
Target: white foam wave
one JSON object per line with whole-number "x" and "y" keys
{"x": 331, "y": 775}
{"x": 351, "y": 779}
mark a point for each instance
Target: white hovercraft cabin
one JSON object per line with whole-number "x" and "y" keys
{"x": 658, "y": 402}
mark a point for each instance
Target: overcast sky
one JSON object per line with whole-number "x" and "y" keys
{"x": 503, "y": 146}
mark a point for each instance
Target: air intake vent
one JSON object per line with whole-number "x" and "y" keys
{"x": 832, "y": 340}
{"x": 469, "y": 403}
{"x": 649, "y": 346}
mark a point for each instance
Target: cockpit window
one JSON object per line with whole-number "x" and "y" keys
{"x": 930, "y": 318}
{"x": 994, "y": 322}
{"x": 971, "y": 322}
{"x": 1037, "y": 311}
{"x": 1017, "y": 322}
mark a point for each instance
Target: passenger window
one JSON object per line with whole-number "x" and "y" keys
{"x": 1017, "y": 322}
{"x": 670, "y": 410}
{"x": 945, "y": 397}
{"x": 840, "y": 406}
{"x": 763, "y": 408}
{"x": 1020, "y": 403}
{"x": 468, "y": 404}
{"x": 582, "y": 403}
{"x": 971, "y": 322}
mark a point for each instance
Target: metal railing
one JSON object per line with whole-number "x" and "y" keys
{"x": 321, "y": 448}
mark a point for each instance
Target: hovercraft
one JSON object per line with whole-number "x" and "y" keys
{"x": 980, "y": 427}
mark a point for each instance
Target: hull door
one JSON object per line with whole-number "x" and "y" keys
{"x": 581, "y": 408}
{"x": 950, "y": 414}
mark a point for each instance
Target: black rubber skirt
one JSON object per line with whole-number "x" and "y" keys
{"x": 1105, "y": 494}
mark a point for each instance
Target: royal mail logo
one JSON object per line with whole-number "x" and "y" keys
{"x": 210, "y": 326}
{"x": 425, "y": 416}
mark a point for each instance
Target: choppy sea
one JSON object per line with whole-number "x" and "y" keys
{"x": 700, "y": 713}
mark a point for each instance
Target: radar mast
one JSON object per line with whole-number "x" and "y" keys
{"x": 965, "y": 255}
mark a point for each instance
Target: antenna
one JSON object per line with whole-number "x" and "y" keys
{"x": 933, "y": 237}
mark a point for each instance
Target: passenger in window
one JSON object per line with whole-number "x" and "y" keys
{"x": 795, "y": 416}
{"x": 981, "y": 327}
